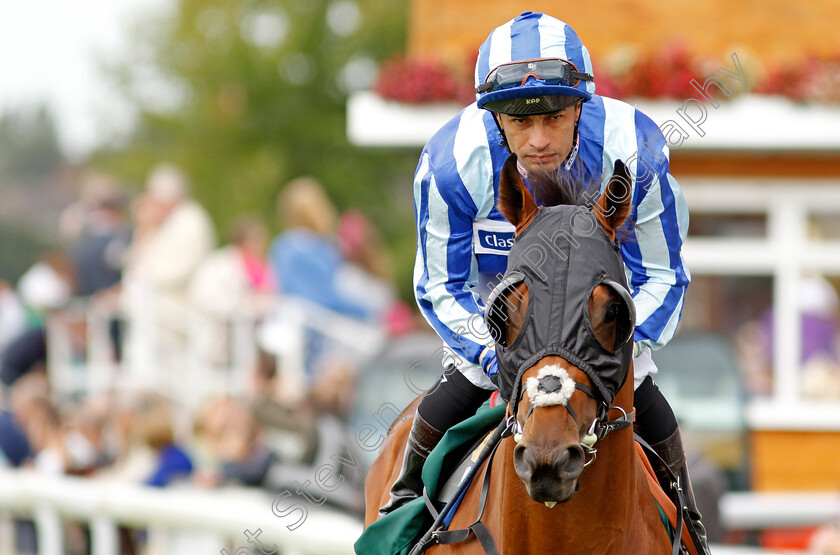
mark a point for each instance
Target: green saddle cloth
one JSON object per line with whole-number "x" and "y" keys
{"x": 397, "y": 532}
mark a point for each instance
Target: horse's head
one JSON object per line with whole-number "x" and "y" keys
{"x": 563, "y": 320}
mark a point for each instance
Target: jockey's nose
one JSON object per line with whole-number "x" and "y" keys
{"x": 540, "y": 138}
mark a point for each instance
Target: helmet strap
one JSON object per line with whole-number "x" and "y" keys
{"x": 570, "y": 159}
{"x": 503, "y": 142}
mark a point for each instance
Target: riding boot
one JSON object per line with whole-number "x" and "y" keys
{"x": 409, "y": 485}
{"x": 672, "y": 453}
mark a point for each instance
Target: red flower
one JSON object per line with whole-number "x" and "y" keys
{"x": 419, "y": 81}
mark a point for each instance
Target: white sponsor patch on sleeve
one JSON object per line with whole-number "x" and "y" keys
{"x": 492, "y": 236}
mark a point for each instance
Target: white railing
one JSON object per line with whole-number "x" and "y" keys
{"x": 189, "y": 520}
{"x": 281, "y": 331}
{"x": 762, "y": 510}
{"x": 179, "y": 520}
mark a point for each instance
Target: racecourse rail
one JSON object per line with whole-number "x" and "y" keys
{"x": 209, "y": 521}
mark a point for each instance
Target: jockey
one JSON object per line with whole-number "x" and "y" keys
{"x": 535, "y": 98}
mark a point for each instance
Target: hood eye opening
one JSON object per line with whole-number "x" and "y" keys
{"x": 620, "y": 313}
{"x": 504, "y": 301}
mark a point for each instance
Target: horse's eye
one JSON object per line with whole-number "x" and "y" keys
{"x": 611, "y": 314}
{"x": 618, "y": 316}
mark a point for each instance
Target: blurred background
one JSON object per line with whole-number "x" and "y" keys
{"x": 206, "y": 246}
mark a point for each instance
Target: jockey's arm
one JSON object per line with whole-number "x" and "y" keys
{"x": 658, "y": 274}
{"x": 445, "y": 267}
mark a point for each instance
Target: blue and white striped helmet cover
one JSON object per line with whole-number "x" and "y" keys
{"x": 530, "y": 36}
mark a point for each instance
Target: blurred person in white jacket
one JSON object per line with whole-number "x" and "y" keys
{"x": 173, "y": 235}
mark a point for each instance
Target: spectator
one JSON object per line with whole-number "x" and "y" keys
{"x": 230, "y": 441}
{"x": 31, "y": 408}
{"x": 173, "y": 235}
{"x": 74, "y": 219}
{"x": 27, "y": 353}
{"x": 47, "y": 285}
{"x": 826, "y": 540}
{"x": 13, "y": 320}
{"x": 305, "y": 257}
{"x": 235, "y": 274}
{"x": 232, "y": 282}
{"x": 43, "y": 289}
{"x": 154, "y": 430}
{"x": 306, "y": 261}
{"x": 366, "y": 276}
{"x": 14, "y": 446}
{"x": 85, "y": 437}
{"x": 99, "y": 252}
{"x": 819, "y": 308}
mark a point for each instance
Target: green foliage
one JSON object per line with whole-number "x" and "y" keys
{"x": 18, "y": 251}
{"x": 30, "y": 158}
{"x": 254, "y": 94}
{"x": 29, "y": 144}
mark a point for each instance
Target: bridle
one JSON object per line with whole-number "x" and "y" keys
{"x": 553, "y": 387}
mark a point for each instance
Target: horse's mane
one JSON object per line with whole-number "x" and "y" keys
{"x": 555, "y": 188}
{"x": 560, "y": 187}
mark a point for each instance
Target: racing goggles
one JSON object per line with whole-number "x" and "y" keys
{"x": 553, "y": 71}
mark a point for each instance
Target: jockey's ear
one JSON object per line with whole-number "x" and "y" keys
{"x": 515, "y": 201}
{"x": 613, "y": 207}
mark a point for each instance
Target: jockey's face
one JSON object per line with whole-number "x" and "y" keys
{"x": 541, "y": 142}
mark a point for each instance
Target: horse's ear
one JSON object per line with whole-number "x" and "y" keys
{"x": 613, "y": 206}
{"x": 515, "y": 201}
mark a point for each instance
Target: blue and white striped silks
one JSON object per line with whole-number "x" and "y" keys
{"x": 462, "y": 239}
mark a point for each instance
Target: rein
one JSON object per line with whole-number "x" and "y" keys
{"x": 438, "y": 534}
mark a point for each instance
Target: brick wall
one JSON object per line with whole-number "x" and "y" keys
{"x": 767, "y": 29}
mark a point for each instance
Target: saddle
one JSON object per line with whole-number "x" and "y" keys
{"x": 397, "y": 532}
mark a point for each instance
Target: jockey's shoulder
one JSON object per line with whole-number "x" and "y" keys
{"x": 602, "y": 107}
{"x": 471, "y": 124}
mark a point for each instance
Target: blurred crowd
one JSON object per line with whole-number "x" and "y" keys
{"x": 205, "y": 376}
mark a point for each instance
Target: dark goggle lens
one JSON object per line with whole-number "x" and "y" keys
{"x": 552, "y": 71}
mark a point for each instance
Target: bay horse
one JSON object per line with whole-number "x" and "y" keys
{"x": 538, "y": 497}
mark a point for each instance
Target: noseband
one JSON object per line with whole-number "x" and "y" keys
{"x": 553, "y": 386}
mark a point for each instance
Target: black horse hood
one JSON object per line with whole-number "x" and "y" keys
{"x": 562, "y": 256}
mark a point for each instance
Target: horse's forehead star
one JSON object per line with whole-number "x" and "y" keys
{"x": 552, "y": 386}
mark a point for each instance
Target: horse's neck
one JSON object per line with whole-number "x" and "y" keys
{"x": 608, "y": 491}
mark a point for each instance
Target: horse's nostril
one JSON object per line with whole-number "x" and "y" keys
{"x": 570, "y": 463}
{"x": 524, "y": 458}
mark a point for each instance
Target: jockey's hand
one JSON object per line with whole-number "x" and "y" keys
{"x": 490, "y": 364}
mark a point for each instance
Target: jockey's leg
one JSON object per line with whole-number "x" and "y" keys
{"x": 657, "y": 425}
{"x": 451, "y": 400}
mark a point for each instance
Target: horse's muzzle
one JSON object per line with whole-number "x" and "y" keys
{"x": 549, "y": 475}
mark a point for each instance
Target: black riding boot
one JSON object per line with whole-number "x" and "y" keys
{"x": 409, "y": 485}
{"x": 672, "y": 453}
